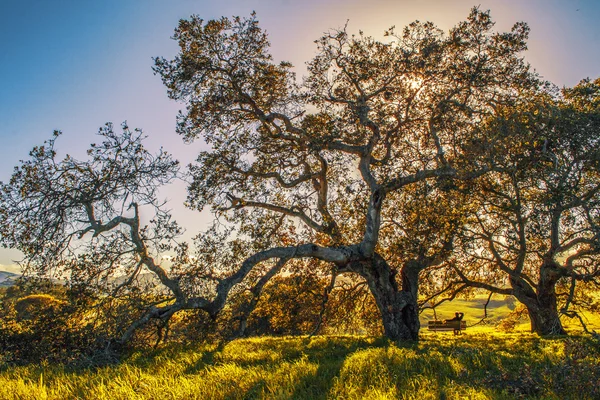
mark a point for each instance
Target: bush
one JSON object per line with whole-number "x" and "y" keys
{"x": 35, "y": 306}
{"x": 51, "y": 327}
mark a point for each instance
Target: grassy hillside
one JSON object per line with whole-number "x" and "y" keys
{"x": 498, "y": 309}
{"x": 473, "y": 366}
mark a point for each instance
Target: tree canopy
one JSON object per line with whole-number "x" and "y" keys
{"x": 392, "y": 162}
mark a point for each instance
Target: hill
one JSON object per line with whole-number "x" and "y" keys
{"x": 498, "y": 309}
{"x": 7, "y": 278}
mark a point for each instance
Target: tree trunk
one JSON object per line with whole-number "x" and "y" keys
{"x": 545, "y": 321}
{"x": 398, "y": 308}
{"x": 541, "y": 304}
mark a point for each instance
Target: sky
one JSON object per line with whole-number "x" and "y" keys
{"x": 73, "y": 65}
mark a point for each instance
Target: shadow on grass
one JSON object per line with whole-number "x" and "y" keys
{"x": 329, "y": 353}
{"x": 207, "y": 359}
{"x": 438, "y": 366}
{"x": 443, "y": 366}
{"x": 278, "y": 356}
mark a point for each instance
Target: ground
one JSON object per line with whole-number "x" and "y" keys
{"x": 483, "y": 363}
{"x": 472, "y": 366}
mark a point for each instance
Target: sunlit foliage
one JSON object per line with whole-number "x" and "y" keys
{"x": 536, "y": 232}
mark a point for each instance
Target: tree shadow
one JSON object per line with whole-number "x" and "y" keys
{"x": 329, "y": 353}
{"x": 207, "y": 359}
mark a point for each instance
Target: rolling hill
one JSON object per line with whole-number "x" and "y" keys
{"x": 7, "y": 278}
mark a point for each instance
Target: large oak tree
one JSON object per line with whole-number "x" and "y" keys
{"x": 326, "y": 170}
{"x": 333, "y": 154}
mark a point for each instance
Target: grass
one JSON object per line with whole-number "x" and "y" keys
{"x": 499, "y": 308}
{"x": 440, "y": 366}
{"x": 483, "y": 363}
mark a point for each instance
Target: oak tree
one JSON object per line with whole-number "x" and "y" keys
{"x": 331, "y": 156}
{"x": 536, "y": 232}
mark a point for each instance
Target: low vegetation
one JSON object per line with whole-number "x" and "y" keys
{"x": 441, "y": 366}
{"x": 491, "y": 359}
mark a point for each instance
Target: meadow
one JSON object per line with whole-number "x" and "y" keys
{"x": 483, "y": 362}
{"x": 440, "y": 366}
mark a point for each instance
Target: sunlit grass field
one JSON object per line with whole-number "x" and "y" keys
{"x": 482, "y": 363}
{"x": 440, "y": 366}
{"x": 498, "y": 308}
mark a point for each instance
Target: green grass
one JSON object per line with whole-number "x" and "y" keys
{"x": 483, "y": 363}
{"x": 498, "y": 309}
{"x": 440, "y": 366}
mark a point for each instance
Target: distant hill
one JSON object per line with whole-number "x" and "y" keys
{"x": 8, "y": 278}
{"x": 473, "y": 309}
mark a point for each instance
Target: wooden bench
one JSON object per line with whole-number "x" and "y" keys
{"x": 456, "y": 326}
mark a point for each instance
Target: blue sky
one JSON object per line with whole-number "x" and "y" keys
{"x": 75, "y": 64}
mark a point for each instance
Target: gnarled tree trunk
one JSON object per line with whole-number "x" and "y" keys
{"x": 541, "y": 304}
{"x": 398, "y": 307}
{"x": 545, "y": 320}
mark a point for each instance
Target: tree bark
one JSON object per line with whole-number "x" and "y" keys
{"x": 541, "y": 304}
{"x": 545, "y": 320}
{"x": 398, "y": 308}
